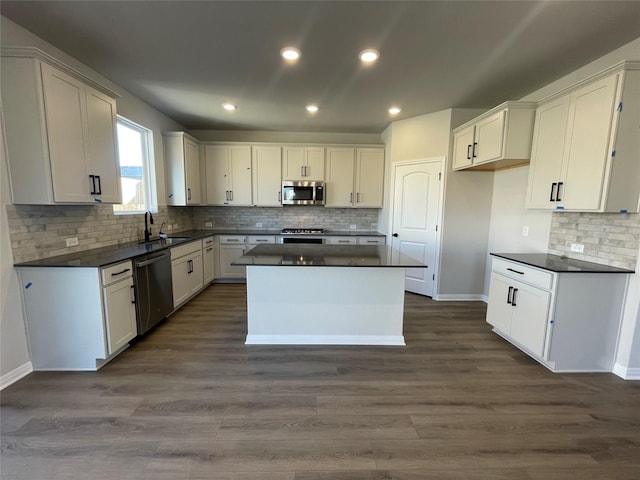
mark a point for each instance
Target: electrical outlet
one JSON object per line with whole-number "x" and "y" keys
{"x": 208, "y": 224}
{"x": 72, "y": 242}
{"x": 525, "y": 231}
{"x": 577, "y": 247}
{"x": 259, "y": 224}
{"x": 353, "y": 227}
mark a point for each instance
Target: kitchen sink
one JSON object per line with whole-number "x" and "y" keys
{"x": 166, "y": 241}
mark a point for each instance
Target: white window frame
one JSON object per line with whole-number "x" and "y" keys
{"x": 148, "y": 168}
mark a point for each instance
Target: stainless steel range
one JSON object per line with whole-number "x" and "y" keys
{"x": 302, "y": 235}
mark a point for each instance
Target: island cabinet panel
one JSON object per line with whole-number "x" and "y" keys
{"x": 566, "y": 321}
{"x": 586, "y": 147}
{"x": 303, "y": 163}
{"x": 355, "y": 177}
{"x": 499, "y": 138}
{"x": 228, "y": 174}
{"x": 184, "y": 169}
{"x": 186, "y": 271}
{"x": 60, "y": 133}
{"x": 267, "y": 176}
{"x": 78, "y": 318}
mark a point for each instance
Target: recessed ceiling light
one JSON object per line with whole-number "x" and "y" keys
{"x": 369, "y": 55}
{"x": 394, "y": 110}
{"x": 291, "y": 54}
{"x": 229, "y": 107}
{"x": 311, "y": 108}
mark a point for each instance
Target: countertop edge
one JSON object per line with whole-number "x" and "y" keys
{"x": 597, "y": 268}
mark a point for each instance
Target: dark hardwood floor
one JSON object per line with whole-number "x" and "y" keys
{"x": 191, "y": 401}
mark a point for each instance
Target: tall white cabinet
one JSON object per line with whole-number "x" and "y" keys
{"x": 184, "y": 172}
{"x": 60, "y": 132}
{"x": 586, "y": 146}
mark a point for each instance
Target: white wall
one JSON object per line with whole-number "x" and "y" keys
{"x": 14, "y": 352}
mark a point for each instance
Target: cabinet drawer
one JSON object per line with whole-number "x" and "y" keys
{"x": 207, "y": 242}
{"x": 371, "y": 240}
{"x": 260, "y": 239}
{"x": 116, "y": 272}
{"x": 186, "y": 249}
{"x": 524, "y": 273}
{"x": 232, "y": 239}
{"x": 342, "y": 240}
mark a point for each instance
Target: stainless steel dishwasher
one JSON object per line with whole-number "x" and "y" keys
{"x": 154, "y": 290}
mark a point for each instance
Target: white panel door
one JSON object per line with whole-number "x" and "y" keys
{"x": 340, "y": 168}
{"x": 416, "y": 204}
{"x": 120, "y": 314}
{"x": 499, "y": 309}
{"x": 529, "y": 321}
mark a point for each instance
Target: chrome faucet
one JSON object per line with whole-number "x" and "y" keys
{"x": 147, "y": 228}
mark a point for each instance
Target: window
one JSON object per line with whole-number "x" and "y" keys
{"x": 137, "y": 172}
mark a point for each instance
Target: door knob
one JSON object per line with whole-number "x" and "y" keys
{"x": 395, "y": 234}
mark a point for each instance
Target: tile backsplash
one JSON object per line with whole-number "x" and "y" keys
{"x": 608, "y": 238}
{"x": 293, "y": 217}
{"x": 40, "y": 231}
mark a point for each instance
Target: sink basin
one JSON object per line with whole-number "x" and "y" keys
{"x": 165, "y": 241}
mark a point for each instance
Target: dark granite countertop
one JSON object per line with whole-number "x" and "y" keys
{"x": 326, "y": 256}
{"x": 327, "y": 233}
{"x": 558, "y": 264}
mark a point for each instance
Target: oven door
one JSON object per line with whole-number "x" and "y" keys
{"x": 302, "y": 239}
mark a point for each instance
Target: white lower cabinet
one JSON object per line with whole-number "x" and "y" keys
{"x": 341, "y": 240}
{"x": 566, "y": 321}
{"x": 231, "y": 247}
{"x": 371, "y": 240}
{"x": 186, "y": 271}
{"x": 78, "y": 318}
{"x": 208, "y": 259}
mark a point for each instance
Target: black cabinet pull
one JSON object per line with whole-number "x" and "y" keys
{"x": 99, "y": 192}
{"x": 509, "y": 295}
{"x": 468, "y": 152}
{"x": 475, "y": 145}
{"x": 92, "y": 178}
{"x": 188, "y": 194}
{"x": 558, "y": 199}
{"x": 553, "y": 187}
{"x": 513, "y": 298}
{"x": 515, "y": 271}
{"x": 133, "y": 294}
{"x": 121, "y": 272}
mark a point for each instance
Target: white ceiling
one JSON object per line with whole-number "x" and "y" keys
{"x": 187, "y": 58}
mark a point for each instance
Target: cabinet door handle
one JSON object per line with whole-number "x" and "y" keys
{"x": 92, "y": 179}
{"x": 121, "y": 272}
{"x": 279, "y": 196}
{"x": 515, "y": 271}
{"x": 509, "y": 295}
{"x": 513, "y": 298}
{"x": 302, "y": 171}
{"x": 553, "y": 187}
{"x": 133, "y": 294}
{"x": 209, "y": 249}
{"x": 475, "y": 146}
{"x": 188, "y": 194}
{"x": 358, "y": 197}
{"x": 469, "y": 152}
{"x": 558, "y": 199}
{"x": 231, "y": 195}
{"x": 351, "y": 197}
{"x": 226, "y": 195}
{"x": 99, "y": 192}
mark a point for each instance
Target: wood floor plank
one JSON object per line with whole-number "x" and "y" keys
{"x": 192, "y": 401}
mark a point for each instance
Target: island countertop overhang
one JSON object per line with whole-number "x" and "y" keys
{"x": 310, "y": 255}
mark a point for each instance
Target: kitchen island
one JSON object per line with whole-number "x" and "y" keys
{"x": 325, "y": 294}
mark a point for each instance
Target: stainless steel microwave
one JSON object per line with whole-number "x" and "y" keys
{"x": 303, "y": 192}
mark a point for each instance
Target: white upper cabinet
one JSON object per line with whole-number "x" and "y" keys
{"x": 182, "y": 160}
{"x": 228, "y": 174}
{"x": 586, "y": 147}
{"x": 355, "y": 177}
{"x": 499, "y": 138}
{"x": 60, "y": 132}
{"x": 303, "y": 163}
{"x": 267, "y": 176}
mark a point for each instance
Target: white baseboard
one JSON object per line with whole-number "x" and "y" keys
{"x": 324, "y": 340}
{"x": 460, "y": 297}
{"x": 16, "y": 374}
{"x": 626, "y": 373}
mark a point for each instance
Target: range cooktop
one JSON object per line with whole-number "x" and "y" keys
{"x": 302, "y": 231}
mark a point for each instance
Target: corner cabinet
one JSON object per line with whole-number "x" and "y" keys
{"x": 355, "y": 177}
{"x": 499, "y": 138}
{"x": 182, "y": 160}
{"x": 60, "y": 132}
{"x": 566, "y": 321}
{"x": 228, "y": 174}
{"x": 303, "y": 163}
{"x": 89, "y": 311}
{"x": 586, "y": 146}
